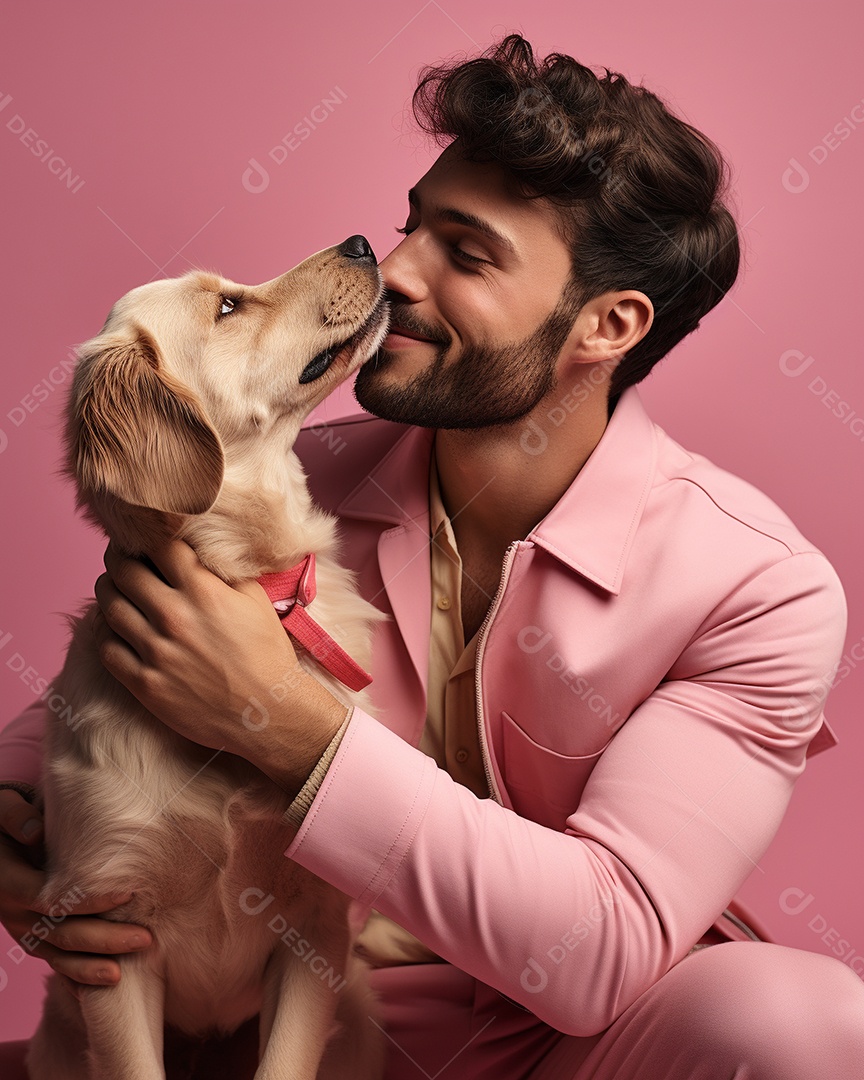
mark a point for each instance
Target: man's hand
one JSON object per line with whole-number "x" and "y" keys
{"x": 74, "y": 945}
{"x": 213, "y": 662}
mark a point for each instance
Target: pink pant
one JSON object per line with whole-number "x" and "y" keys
{"x": 735, "y": 1011}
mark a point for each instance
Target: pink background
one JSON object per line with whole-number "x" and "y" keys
{"x": 158, "y": 108}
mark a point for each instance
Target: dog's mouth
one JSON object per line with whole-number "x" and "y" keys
{"x": 322, "y": 363}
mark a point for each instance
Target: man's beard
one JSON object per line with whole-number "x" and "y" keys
{"x": 488, "y": 384}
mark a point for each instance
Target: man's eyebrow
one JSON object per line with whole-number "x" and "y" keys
{"x": 460, "y": 217}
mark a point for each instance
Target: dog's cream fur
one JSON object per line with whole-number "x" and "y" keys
{"x": 181, "y": 422}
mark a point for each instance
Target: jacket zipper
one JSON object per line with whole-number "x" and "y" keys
{"x": 509, "y": 555}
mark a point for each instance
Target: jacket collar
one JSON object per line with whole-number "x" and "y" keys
{"x": 396, "y": 491}
{"x": 593, "y": 525}
{"x": 590, "y": 529}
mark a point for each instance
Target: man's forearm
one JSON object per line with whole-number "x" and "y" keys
{"x": 573, "y": 925}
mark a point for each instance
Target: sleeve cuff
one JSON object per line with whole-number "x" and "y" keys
{"x": 298, "y": 809}
{"x": 366, "y": 814}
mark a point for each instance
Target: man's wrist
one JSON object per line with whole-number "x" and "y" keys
{"x": 298, "y": 809}
{"x": 289, "y": 762}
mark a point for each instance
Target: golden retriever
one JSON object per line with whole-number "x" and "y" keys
{"x": 181, "y": 422}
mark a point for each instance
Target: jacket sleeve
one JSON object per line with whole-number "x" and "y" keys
{"x": 683, "y": 803}
{"x": 21, "y": 746}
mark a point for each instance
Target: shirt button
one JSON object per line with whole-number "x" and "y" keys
{"x": 443, "y": 603}
{"x": 462, "y": 755}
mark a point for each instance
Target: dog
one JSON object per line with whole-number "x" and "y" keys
{"x": 181, "y": 421}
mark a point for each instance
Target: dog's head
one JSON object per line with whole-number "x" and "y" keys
{"x": 187, "y": 368}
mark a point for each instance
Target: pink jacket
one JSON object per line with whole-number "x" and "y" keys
{"x": 651, "y": 676}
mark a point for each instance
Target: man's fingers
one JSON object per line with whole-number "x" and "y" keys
{"x": 80, "y": 948}
{"x": 77, "y": 968}
{"x": 18, "y": 818}
{"x": 56, "y": 921}
{"x": 176, "y": 562}
{"x": 79, "y": 903}
{"x": 85, "y": 950}
{"x": 137, "y": 582}
{"x": 121, "y": 614}
{"x": 166, "y": 586}
{"x": 115, "y": 653}
{"x": 88, "y": 935}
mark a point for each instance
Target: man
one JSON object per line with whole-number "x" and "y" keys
{"x": 584, "y": 752}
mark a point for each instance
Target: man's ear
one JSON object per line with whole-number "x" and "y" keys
{"x": 610, "y": 325}
{"x": 135, "y": 432}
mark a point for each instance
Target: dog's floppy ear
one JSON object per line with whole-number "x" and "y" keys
{"x": 137, "y": 433}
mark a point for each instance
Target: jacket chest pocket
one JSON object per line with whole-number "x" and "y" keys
{"x": 544, "y": 785}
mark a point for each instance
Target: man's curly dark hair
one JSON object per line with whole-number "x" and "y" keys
{"x": 640, "y": 190}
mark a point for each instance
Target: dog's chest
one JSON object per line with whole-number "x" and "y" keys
{"x": 197, "y": 837}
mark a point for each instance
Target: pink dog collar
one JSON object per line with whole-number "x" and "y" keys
{"x": 290, "y": 591}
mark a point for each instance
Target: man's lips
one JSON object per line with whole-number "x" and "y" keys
{"x": 399, "y": 336}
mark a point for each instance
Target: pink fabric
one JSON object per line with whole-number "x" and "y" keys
{"x": 729, "y": 1012}
{"x": 648, "y": 683}
{"x": 21, "y": 744}
{"x": 290, "y": 591}
{"x": 738, "y": 1011}
{"x": 651, "y": 680}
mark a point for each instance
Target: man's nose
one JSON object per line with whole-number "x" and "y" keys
{"x": 401, "y": 274}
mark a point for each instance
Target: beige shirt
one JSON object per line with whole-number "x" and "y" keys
{"x": 450, "y": 734}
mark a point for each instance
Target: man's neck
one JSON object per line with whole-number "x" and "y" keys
{"x": 497, "y": 483}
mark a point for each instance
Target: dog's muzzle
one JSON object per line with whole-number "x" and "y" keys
{"x": 321, "y": 363}
{"x": 356, "y": 248}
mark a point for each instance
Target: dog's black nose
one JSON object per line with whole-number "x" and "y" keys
{"x": 356, "y": 247}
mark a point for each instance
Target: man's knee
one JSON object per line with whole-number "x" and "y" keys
{"x": 768, "y": 1005}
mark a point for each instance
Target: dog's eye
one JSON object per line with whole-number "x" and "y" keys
{"x": 228, "y": 305}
